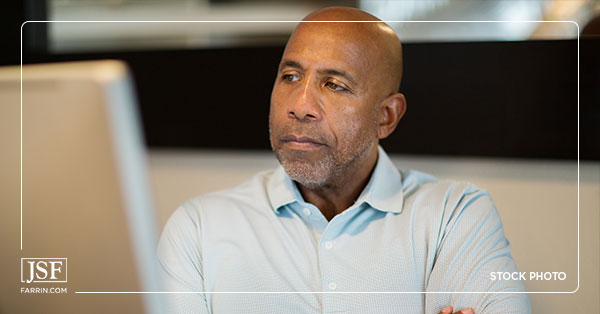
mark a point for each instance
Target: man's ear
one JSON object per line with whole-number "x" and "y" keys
{"x": 392, "y": 109}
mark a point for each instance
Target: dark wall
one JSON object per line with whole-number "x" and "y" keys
{"x": 12, "y": 16}
{"x": 504, "y": 99}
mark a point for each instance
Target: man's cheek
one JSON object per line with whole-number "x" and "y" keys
{"x": 276, "y": 114}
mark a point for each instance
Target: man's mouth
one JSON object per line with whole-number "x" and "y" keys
{"x": 301, "y": 142}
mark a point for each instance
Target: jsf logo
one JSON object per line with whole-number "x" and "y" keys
{"x": 43, "y": 270}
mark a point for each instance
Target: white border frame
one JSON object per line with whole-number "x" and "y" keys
{"x": 313, "y": 292}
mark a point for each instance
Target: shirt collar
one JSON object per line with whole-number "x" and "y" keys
{"x": 383, "y": 191}
{"x": 282, "y": 190}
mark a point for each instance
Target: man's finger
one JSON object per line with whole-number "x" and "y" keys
{"x": 446, "y": 310}
{"x": 465, "y": 311}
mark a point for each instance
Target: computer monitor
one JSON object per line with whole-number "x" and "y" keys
{"x": 77, "y": 226}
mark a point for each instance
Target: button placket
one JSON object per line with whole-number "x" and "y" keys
{"x": 332, "y": 285}
{"x": 306, "y": 211}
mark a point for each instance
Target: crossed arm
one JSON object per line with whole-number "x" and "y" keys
{"x": 472, "y": 245}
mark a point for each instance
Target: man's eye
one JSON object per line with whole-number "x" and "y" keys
{"x": 334, "y": 86}
{"x": 291, "y": 77}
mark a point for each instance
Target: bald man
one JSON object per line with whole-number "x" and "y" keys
{"x": 337, "y": 228}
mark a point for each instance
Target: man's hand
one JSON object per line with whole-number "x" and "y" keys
{"x": 449, "y": 309}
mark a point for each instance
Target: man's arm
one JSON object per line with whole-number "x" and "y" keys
{"x": 179, "y": 254}
{"x": 471, "y": 247}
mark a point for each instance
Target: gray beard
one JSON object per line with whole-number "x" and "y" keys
{"x": 326, "y": 172}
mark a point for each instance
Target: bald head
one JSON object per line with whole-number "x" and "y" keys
{"x": 376, "y": 41}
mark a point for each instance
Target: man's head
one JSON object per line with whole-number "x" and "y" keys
{"x": 335, "y": 95}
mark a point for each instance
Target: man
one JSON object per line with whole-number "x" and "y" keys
{"x": 337, "y": 228}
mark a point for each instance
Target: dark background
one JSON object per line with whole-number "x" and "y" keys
{"x": 502, "y": 99}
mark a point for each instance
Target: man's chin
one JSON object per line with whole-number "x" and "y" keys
{"x": 300, "y": 155}
{"x": 309, "y": 174}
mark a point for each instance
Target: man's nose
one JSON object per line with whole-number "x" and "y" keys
{"x": 305, "y": 105}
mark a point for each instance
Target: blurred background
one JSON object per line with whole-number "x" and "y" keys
{"x": 63, "y": 37}
{"x": 522, "y": 98}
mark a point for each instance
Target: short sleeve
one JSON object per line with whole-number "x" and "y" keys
{"x": 472, "y": 246}
{"x": 179, "y": 254}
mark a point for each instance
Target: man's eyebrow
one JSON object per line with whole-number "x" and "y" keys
{"x": 291, "y": 64}
{"x": 333, "y": 72}
{"x": 339, "y": 73}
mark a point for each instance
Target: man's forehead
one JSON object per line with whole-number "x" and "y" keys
{"x": 320, "y": 46}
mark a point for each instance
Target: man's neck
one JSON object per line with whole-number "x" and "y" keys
{"x": 333, "y": 198}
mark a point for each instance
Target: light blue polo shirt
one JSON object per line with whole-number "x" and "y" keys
{"x": 407, "y": 233}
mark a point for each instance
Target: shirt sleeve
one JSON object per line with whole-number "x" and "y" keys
{"x": 180, "y": 258}
{"x": 471, "y": 247}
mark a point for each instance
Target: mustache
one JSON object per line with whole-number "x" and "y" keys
{"x": 308, "y": 130}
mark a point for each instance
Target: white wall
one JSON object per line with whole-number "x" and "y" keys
{"x": 536, "y": 199}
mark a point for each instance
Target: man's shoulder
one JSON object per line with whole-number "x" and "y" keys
{"x": 424, "y": 188}
{"x": 250, "y": 193}
{"x": 417, "y": 181}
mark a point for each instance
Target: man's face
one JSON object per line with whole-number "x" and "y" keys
{"x": 323, "y": 118}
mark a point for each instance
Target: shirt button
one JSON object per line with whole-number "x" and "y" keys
{"x": 328, "y": 245}
{"x": 332, "y": 285}
{"x": 306, "y": 211}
